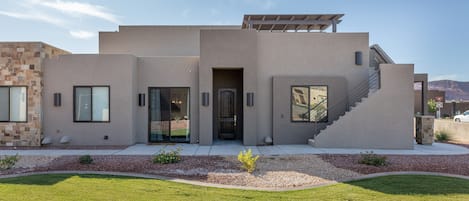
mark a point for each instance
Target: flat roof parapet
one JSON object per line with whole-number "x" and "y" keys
{"x": 283, "y": 23}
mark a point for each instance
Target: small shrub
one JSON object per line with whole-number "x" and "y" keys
{"x": 164, "y": 157}
{"x": 370, "y": 158}
{"x": 8, "y": 162}
{"x": 85, "y": 159}
{"x": 248, "y": 160}
{"x": 442, "y": 136}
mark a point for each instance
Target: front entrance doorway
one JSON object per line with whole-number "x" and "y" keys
{"x": 168, "y": 114}
{"x": 227, "y": 117}
{"x": 228, "y": 104}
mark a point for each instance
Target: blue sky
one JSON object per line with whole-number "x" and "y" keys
{"x": 432, "y": 34}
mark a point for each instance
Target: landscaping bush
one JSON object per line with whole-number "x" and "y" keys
{"x": 442, "y": 136}
{"x": 85, "y": 160}
{"x": 8, "y": 162}
{"x": 370, "y": 158}
{"x": 248, "y": 160}
{"x": 164, "y": 157}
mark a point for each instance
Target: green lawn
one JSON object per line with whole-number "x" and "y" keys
{"x": 96, "y": 187}
{"x": 175, "y": 133}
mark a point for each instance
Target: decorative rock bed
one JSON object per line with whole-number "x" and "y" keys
{"x": 272, "y": 171}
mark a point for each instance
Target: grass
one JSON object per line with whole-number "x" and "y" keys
{"x": 96, "y": 187}
{"x": 175, "y": 133}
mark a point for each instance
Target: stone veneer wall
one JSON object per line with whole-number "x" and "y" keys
{"x": 21, "y": 65}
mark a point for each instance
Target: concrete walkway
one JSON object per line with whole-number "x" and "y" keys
{"x": 234, "y": 149}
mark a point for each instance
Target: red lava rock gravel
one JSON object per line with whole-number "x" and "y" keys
{"x": 455, "y": 164}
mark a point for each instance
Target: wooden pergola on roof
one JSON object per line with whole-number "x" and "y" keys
{"x": 318, "y": 22}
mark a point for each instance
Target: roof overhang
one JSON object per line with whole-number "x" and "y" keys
{"x": 318, "y": 22}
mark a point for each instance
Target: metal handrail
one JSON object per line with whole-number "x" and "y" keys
{"x": 312, "y": 109}
{"x": 357, "y": 94}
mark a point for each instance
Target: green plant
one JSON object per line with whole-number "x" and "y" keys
{"x": 248, "y": 160}
{"x": 165, "y": 157}
{"x": 370, "y": 158}
{"x": 85, "y": 159}
{"x": 8, "y": 162}
{"x": 442, "y": 136}
{"x": 431, "y": 106}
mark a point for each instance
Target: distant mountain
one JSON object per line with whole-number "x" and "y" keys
{"x": 454, "y": 90}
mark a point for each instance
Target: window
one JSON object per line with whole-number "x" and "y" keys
{"x": 91, "y": 104}
{"x": 309, "y": 104}
{"x": 13, "y": 105}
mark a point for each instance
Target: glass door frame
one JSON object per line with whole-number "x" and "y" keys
{"x": 149, "y": 114}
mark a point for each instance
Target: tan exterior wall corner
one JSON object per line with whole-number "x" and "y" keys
{"x": 383, "y": 121}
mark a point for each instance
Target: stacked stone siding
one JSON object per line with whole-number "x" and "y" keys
{"x": 21, "y": 65}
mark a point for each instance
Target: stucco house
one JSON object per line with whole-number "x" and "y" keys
{"x": 276, "y": 79}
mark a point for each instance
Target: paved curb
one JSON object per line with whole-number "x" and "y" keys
{"x": 204, "y": 184}
{"x": 220, "y": 150}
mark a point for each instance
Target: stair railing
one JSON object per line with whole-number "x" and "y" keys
{"x": 361, "y": 90}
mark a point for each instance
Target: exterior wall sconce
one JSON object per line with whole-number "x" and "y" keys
{"x": 205, "y": 99}
{"x": 141, "y": 100}
{"x": 57, "y": 99}
{"x": 358, "y": 58}
{"x": 250, "y": 99}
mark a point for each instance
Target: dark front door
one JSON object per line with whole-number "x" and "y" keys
{"x": 168, "y": 114}
{"x": 227, "y": 125}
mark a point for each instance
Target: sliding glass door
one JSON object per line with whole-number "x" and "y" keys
{"x": 168, "y": 114}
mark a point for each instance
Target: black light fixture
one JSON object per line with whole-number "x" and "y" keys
{"x": 250, "y": 99}
{"x": 205, "y": 99}
{"x": 141, "y": 100}
{"x": 57, "y": 99}
{"x": 358, "y": 58}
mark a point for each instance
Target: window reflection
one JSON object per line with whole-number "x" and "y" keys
{"x": 309, "y": 103}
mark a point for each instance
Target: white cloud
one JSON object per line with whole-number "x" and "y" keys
{"x": 65, "y": 14}
{"x": 42, "y": 17}
{"x": 444, "y": 77}
{"x": 77, "y": 8}
{"x": 81, "y": 34}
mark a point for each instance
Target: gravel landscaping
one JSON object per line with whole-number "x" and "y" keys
{"x": 271, "y": 172}
{"x": 454, "y": 164}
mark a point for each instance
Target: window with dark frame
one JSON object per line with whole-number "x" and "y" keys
{"x": 13, "y": 104}
{"x": 91, "y": 104}
{"x": 309, "y": 103}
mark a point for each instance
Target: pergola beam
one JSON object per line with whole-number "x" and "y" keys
{"x": 295, "y": 22}
{"x": 291, "y": 22}
{"x": 260, "y": 25}
{"x": 273, "y": 25}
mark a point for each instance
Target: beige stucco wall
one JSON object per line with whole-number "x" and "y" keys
{"x": 148, "y": 41}
{"x": 384, "y": 120}
{"x": 168, "y": 72}
{"x": 305, "y": 54}
{"x": 21, "y": 64}
{"x": 64, "y": 72}
{"x": 263, "y": 55}
{"x": 458, "y": 131}
{"x": 287, "y": 132}
{"x": 225, "y": 49}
